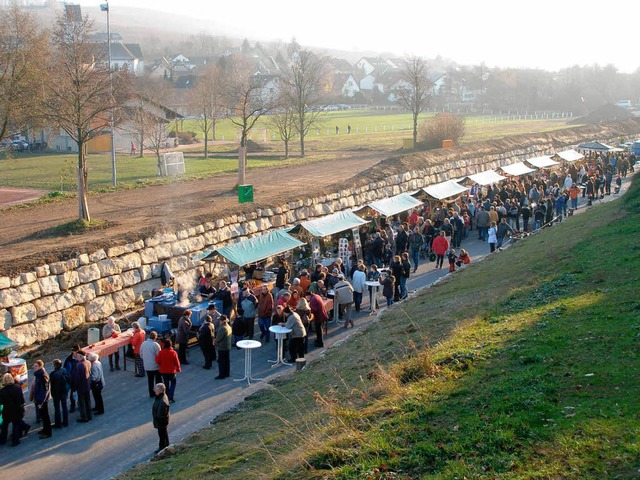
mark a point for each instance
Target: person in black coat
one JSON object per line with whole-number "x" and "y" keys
{"x": 282, "y": 275}
{"x": 160, "y": 413}
{"x": 60, "y": 386}
{"x": 12, "y": 401}
{"x": 402, "y": 240}
{"x": 206, "y": 339}
{"x": 224, "y": 295}
{"x": 396, "y": 270}
{"x": 41, "y": 395}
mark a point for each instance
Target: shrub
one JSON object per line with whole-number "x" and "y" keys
{"x": 444, "y": 126}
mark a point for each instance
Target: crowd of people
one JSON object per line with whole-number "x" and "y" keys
{"x": 392, "y": 249}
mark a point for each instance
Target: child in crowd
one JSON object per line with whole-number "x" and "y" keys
{"x": 464, "y": 258}
{"x": 452, "y": 257}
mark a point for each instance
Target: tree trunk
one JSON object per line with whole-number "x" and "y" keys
{"x": 286, "y": 149}
{"x": 205, "y": 131}
{"x": 301, "y": 139}
{"x": 415, "y": 131}
{"x": 140, "y": 151}
{"x": 213, "y": 129}
{"x": 83, "y": 206}
{"x": 242, "y": 161}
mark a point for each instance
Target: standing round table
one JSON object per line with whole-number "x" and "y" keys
{"x": 374, "y": 294}
{"x": 247, "y": 346}
{"x": 281, "y": 334}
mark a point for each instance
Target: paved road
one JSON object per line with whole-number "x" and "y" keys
{"x": 124, "y": 437}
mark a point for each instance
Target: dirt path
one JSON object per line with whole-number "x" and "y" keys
{"x": 131, "y": 213}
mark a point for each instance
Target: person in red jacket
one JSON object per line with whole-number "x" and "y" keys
{"x": 136, "y": 340}
{"x": 168, "y": 366}
{"x": 440, "y": 247}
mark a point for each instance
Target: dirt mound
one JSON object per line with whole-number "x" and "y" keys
{"x": 606, "y": 113}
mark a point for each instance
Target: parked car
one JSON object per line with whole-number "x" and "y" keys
{"x": 20, "y": 145}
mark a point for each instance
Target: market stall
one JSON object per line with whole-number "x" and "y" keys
{"x": 325, "y": 227}
{"x": 485, "y": 178}
{"x": 516, "y": 169}
{"x": 597, "y": 147}
{"x": 569, "y": 155}
{"x": 252, "y": 251}
{"x": 388, "y": 207}
{"x": 444, "y": 190}
{"x": 542, "y": 162}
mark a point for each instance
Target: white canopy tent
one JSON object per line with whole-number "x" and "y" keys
{"x": 450, "y": 188}
{"x": 393, "y": 205}
{"x": 516, "y": 169}
{"x": 542, "y": 162}
{"x": 486, "y": 178}
{"x": 330, "y": 224}
{"x": 570, "y": 155}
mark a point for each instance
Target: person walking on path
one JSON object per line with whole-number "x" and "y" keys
{"x": 12, "y": 402}
{"x": 440, "y": 247}
{"x": 97, "y": 383}
{"x": 169, "y": 366}
{"x": 405, "y": 273}
{"x": 182, "y": 336}
{"x": 136, "y": 342}
{"x": 108, "y": 330}
{"x": 160, "y": 414}
{"x": 60, "y": 386}
{"x": 207, "y": 341}
{"x": 223, "y": 343}
{"x": 149, "y": 350}
{"x": 416, "y": 241}
{"x": 41, "y": 395}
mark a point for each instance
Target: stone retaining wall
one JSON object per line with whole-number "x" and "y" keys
{"x": 38, "y": 305}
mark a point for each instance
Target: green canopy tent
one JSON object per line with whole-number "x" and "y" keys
{"x": 6, "y": 343}
{"x": 329, "y": 225}
{"x": 254, "y": 249}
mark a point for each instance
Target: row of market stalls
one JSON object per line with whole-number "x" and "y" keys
{"x": 313, "y": 238}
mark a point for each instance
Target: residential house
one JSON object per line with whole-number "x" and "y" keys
{"x": 368, "y": 65}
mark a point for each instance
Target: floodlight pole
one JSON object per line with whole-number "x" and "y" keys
{"x": 105, "y": 8}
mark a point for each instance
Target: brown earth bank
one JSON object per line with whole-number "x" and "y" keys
{"x": 26, "y": 241}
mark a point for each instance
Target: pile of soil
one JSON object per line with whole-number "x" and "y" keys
{"x": 605, "y": 114}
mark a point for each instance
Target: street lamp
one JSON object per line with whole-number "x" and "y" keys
{"x": 104, "y": 7}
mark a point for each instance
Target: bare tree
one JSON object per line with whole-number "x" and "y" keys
{"x": 205, "y": 101}
{"x": 78, "y": 93}
{"x": 416, "y": 90}
{"x": 23, "y": 49}
{"x": 283, "y": 122}
{"x": 302, "y": 89}
{"x": 245, "y": 101}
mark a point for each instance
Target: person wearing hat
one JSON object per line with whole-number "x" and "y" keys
{"x": 136, "y": 342}
{"x": 305, "y": 281}
{"x": 12, "y": 402}
{"x": 81, "y": 384}
{"x": 223, "y": 344}
{"x": 108, "y": 330}
{"x": 213, "y": 312}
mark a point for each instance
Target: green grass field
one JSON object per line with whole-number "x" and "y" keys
{"x": 371, "y": 131}
{"x": 522, "y": 366}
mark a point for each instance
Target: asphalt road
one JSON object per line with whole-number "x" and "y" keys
{"x": 124, "y": 436}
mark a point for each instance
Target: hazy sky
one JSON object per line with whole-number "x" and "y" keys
{"x": 548, "y": 34}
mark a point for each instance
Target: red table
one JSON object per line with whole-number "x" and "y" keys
{"x": 111, "y": 345}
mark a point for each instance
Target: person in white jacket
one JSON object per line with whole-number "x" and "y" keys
{"x": 149, "y": 351}
{"x": 358, "y": 284}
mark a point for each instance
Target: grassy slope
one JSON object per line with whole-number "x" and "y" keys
{"x": 524, "y": 365}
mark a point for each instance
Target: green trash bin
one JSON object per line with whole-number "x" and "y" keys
{"x": 245, "y": 193}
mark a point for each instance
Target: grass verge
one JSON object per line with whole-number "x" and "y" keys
{"x": 524, "y": 365}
